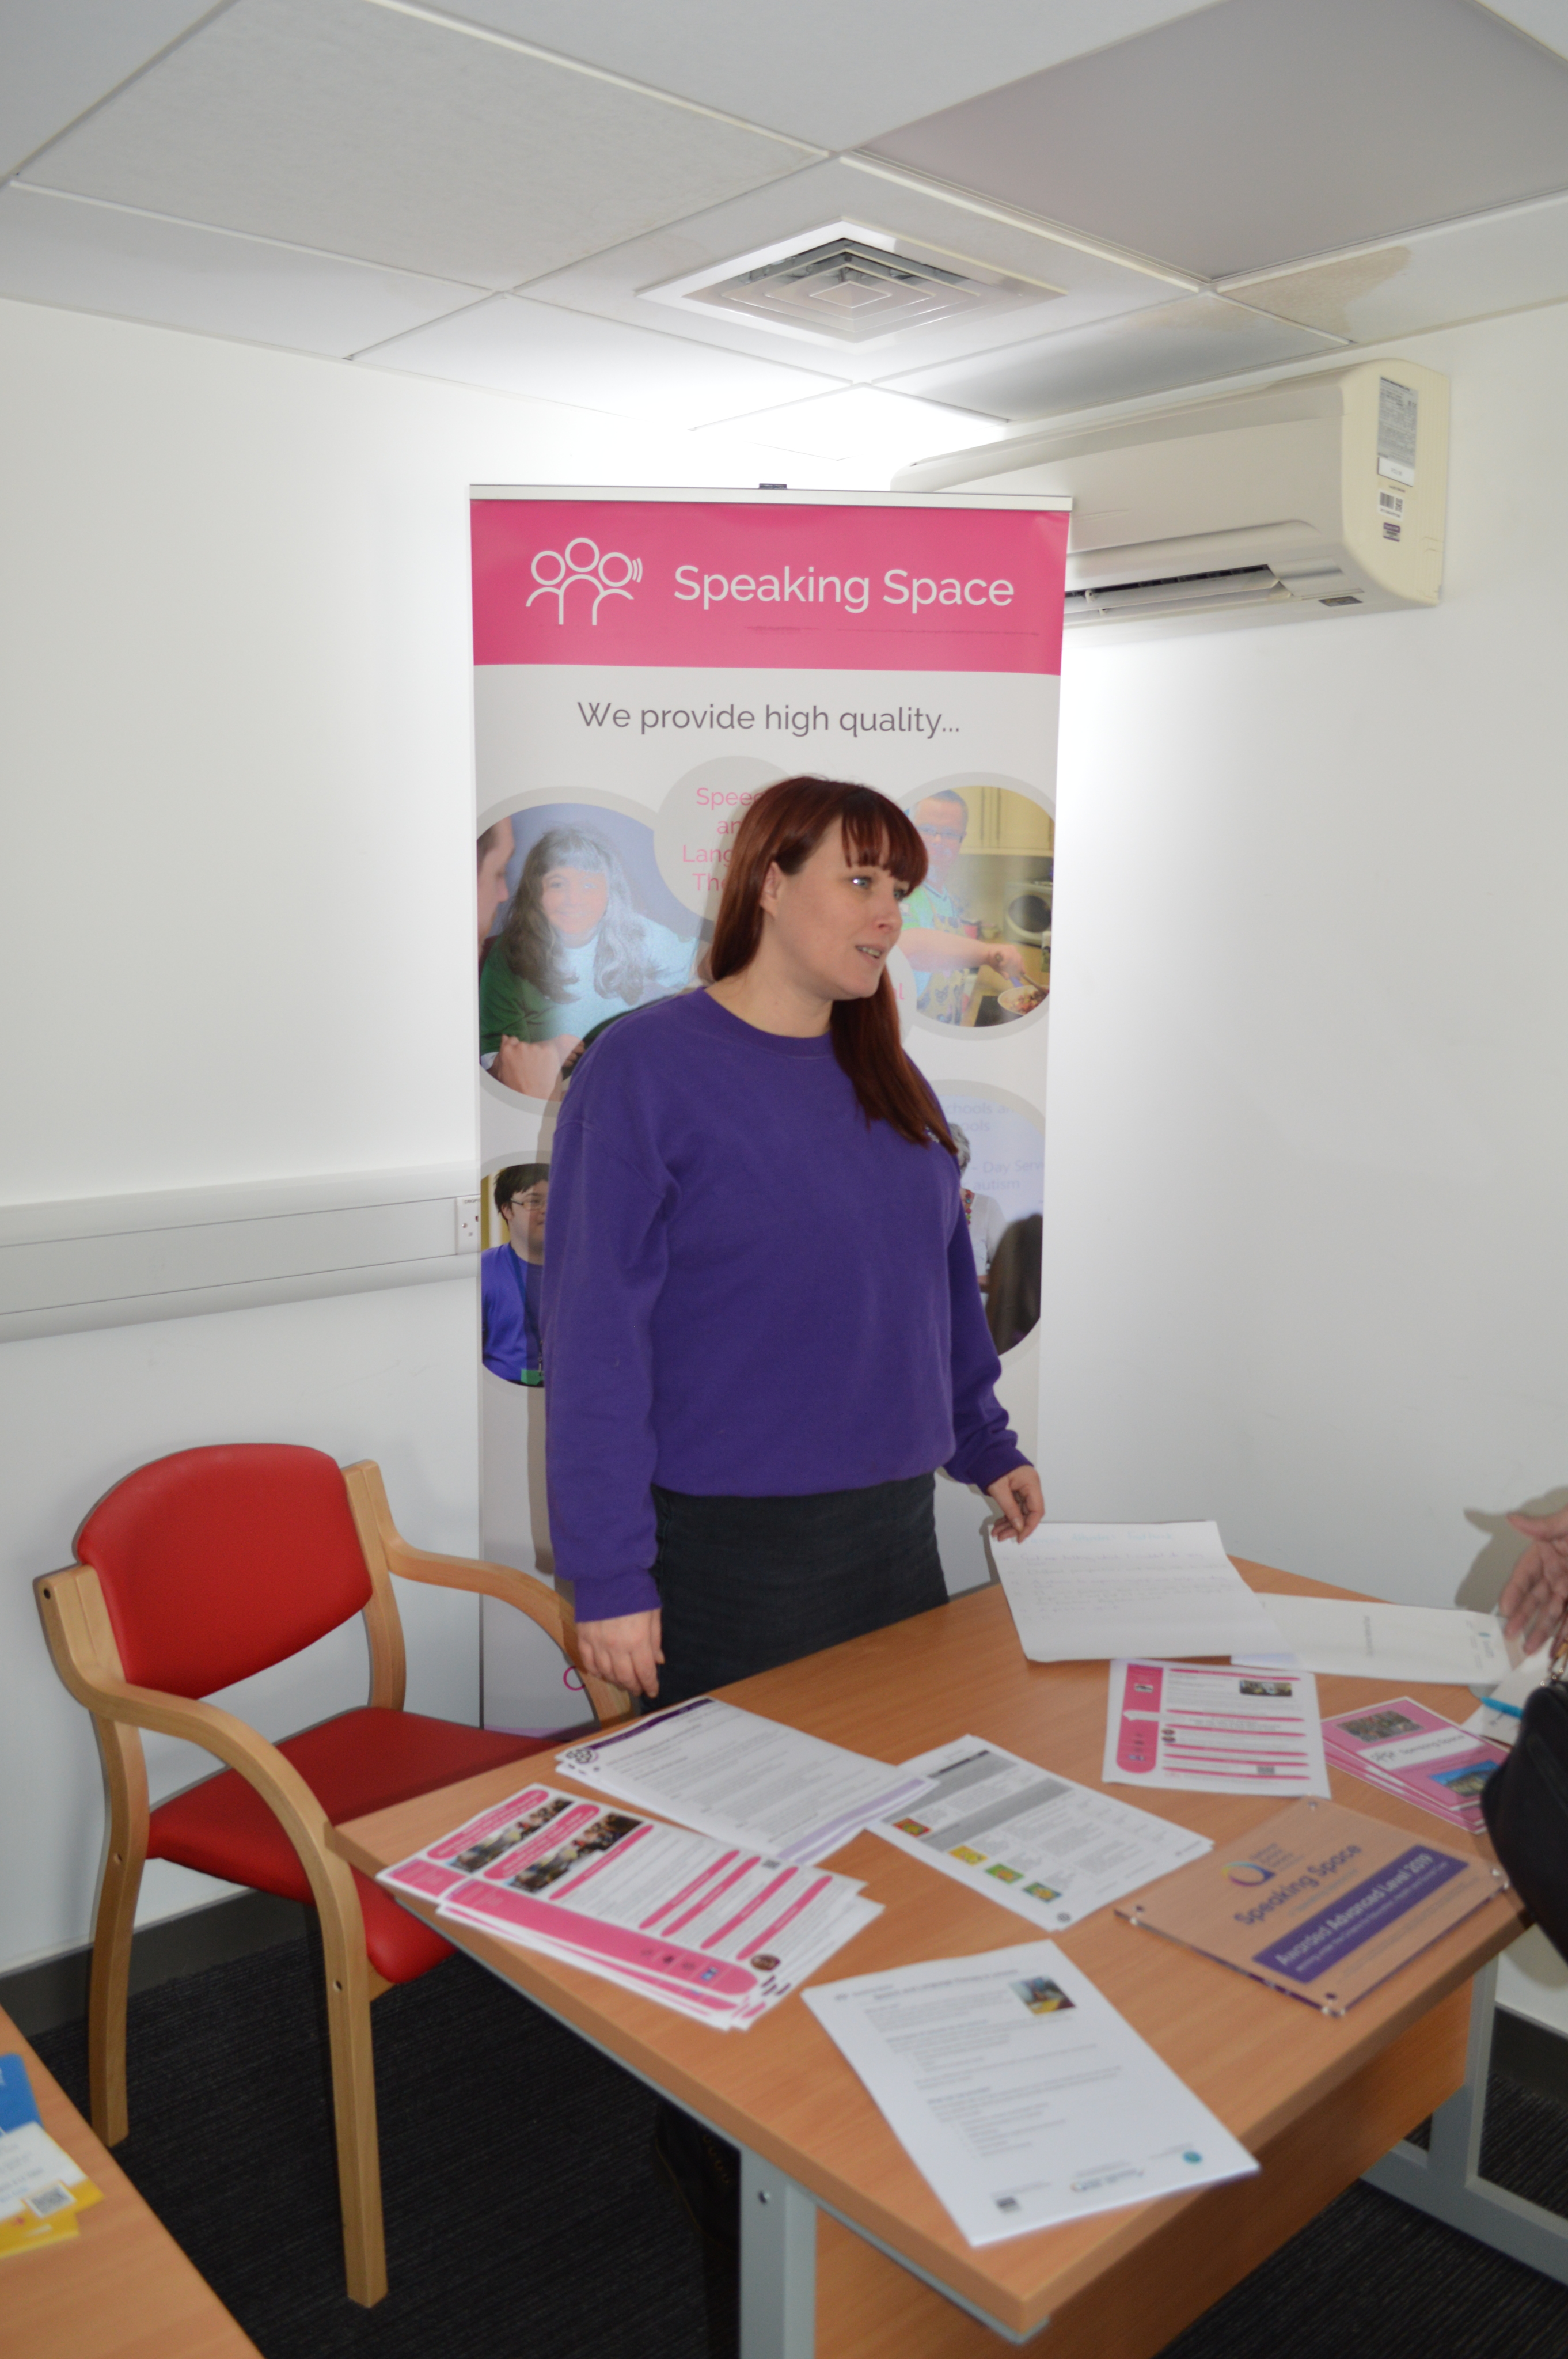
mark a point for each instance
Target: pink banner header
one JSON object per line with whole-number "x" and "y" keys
{"x": 832, "y": 589}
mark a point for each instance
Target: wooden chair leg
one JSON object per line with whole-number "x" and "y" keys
{"x": 124, "y": 1855}
{"x": 347, "y": 1975}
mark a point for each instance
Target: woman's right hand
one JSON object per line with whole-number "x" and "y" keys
{"x": 626, "y": 1650}
{"x": 1533, "y": 1604}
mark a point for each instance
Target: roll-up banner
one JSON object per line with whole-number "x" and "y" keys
{"x": 645, "y": 663}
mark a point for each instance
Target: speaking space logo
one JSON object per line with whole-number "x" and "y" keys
{"x": 607, "y": 574}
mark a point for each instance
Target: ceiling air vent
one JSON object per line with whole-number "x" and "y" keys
{"x": 847, "y": 285}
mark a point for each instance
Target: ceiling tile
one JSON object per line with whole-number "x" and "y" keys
{"x": 518, "y": 346}
{"x": 1187, "y": 343}
{"x": 63, "y": 56}
{"x": 835, "y": 75}
{"x": 90, "y": 257}
{"x": 1466, "y": 270}
{"x": 368, "y": 133}
{"x": 1545, "y": 21}
{"x": 1258, "y": 132}
{"x": 1094, "y": 286}
{"x": 865, "y": 423}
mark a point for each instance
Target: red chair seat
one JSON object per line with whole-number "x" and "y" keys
{"x": 358, "y": 1762}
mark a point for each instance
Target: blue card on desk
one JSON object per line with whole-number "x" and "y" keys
{"x": 18, "y": 2105}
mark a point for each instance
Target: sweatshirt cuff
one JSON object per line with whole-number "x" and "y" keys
{"x": 989, "y": 1465}
{"x": 602, "y": 1597}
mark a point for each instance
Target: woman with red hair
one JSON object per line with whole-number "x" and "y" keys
{"x": 762, "y": 1326}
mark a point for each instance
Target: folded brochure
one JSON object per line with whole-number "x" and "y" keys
{"x": 41, "y": 2189}
{"x": 711, "y": 1929}
{"x": 1408, "y": 1750}
{"x": 1319, "y": 1902}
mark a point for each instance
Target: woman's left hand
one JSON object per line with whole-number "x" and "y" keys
{"x": 1021, "y": 1502}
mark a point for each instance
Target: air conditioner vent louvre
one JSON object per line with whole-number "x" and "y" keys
{"x": 848, "y": 289}
{"x": 1231, "y": 585}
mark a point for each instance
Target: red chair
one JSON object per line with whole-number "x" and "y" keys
{"x": 194, "y": 1572}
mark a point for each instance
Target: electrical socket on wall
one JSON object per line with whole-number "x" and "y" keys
{"x": 467, "y": 1211}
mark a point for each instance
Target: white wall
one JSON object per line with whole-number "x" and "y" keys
{"x": 236, "y": 939}
{"x": 1307, "y": 1247}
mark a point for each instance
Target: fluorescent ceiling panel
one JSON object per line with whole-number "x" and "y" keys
{"x": 1466, "y": 270}
{"x": 1187, "y": 343}
{"x": 831, "y": 73}
{"x": 372, "y": 134}
{"x": 518, "y": 346}
{"x": 83, "y": 256}
{"x": 1263, "y": 131}
{"x": 864, "y": 423}
{"x": 62, "y": 56}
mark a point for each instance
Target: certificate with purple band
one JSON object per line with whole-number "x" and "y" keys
{"x": 1319, "y": 1902}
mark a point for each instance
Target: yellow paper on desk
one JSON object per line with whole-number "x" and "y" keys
{"x": 39, "y": 2180}
{"x": 1319, "y": 1901}
{"x": 24, "y": 2233}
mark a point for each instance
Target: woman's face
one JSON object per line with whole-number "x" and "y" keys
{"x": 835, "y": 920}
{"x": 573, "y": 900}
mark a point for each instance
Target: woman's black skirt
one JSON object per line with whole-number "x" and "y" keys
{"x": 748, "y": 1583}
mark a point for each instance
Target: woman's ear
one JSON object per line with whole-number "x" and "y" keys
{"x": 769, "y": 896}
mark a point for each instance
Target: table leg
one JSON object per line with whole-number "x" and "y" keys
{"x": 778, "y": 2264}
{"x": 1445, "y": 2180}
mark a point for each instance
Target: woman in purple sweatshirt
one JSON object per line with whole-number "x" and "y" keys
{"x": 762, "y": 1326}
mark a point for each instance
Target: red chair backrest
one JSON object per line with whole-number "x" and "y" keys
{"x": 216, "y": 1562}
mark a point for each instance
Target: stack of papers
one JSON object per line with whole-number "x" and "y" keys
{"x": 1417, "y": 1756}
{"x": 1363, "y": 1638}
{"x": 1019, "y": 2093}
{"x": 1042, "y": 1846}
{"x": 708, "y": 1928}
{"x": 744, "y": 1780}
{"x": 41, "y": 2189}
{"x": 1082, "y": 1592}
{"x": 1200, "y": 1728}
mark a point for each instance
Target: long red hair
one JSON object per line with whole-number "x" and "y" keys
{"x": 782, "y": 828}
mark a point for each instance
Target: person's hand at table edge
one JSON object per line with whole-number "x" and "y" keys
{"x": 1536, "y": 1597}
{"x": 1022, "y": 1501}
{"x": 625, "y": 1649}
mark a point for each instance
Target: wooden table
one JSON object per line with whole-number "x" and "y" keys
{"x": 845, "y": 2248}
{"x": 120, "y": 2288}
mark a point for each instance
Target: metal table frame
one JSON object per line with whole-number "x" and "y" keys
{"x": 1444, "y": 2177}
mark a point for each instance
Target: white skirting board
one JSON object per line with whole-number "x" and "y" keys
{"x": 113, "y": 1261}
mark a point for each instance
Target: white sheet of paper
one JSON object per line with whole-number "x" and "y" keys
{"x": 745, "y": 1779}
{"x": 1354, "y": 1638}
{"x": 1214, "y": 1728}
{"x": 1019, "y": 2093}
{"x": 1029, "y": 1839}
{"x": 1082, "y": 1592}
{"x": 30, "y": 2164}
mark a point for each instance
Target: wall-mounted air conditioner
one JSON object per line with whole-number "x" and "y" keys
{"x": 1326, "y": 491}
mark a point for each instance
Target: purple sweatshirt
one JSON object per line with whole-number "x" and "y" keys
{"x": 748, "y": 1290}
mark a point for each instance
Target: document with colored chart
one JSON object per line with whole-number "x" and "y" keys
{"x": 1019, "y": 2093}
{"x": 1202, "y": 1728}
{"x": 1033, "y": 1841}
{"x": 1319, "y": 1902}
{"x": 716, "y": 1931}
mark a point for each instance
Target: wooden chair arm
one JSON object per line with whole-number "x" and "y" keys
{"x": 76, "y": 1623}
{"x": 367, "y": 1495}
